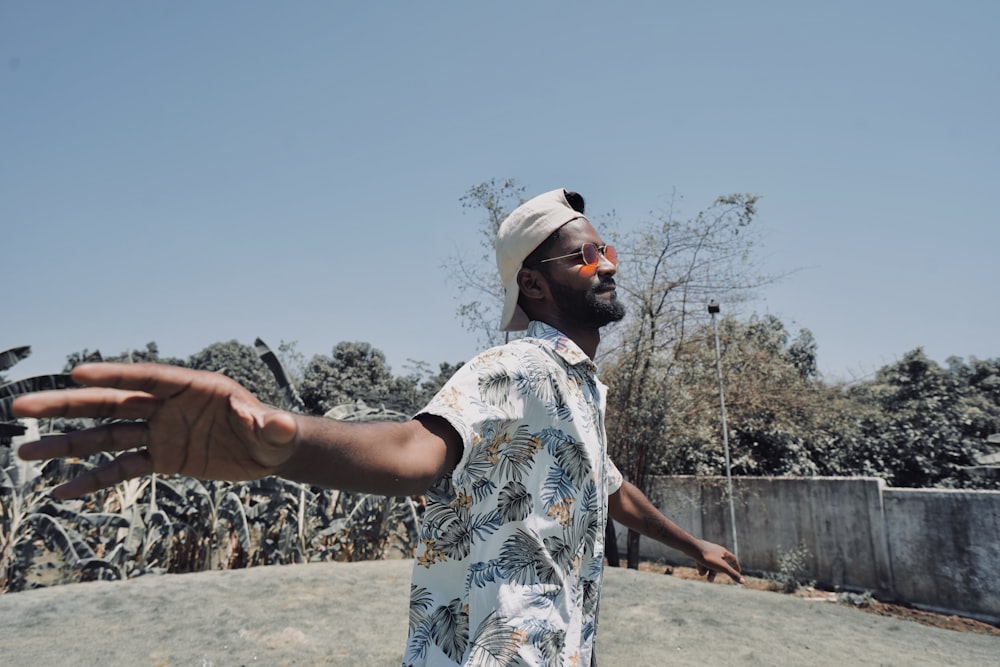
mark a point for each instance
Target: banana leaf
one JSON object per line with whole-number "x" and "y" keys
{"x": 10, "y": 357}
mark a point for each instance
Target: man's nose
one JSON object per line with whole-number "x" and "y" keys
{"x": 605, "y": 266}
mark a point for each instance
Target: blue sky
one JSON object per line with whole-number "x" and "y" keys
{"x": 191, "y": 172}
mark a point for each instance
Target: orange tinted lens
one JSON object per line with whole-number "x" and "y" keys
{"x": 591, "y": 255}
{"x": 611, "y": 254}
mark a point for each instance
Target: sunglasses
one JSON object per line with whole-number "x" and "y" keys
{"x": 591, "y": 254}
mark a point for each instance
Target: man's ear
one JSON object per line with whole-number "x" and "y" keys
{"x": 531, "y": 284}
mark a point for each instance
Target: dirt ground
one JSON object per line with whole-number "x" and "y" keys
{"x": 355, "y": 614}
{"x": 869, "y": 605}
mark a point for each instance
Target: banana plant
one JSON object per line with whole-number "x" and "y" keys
{"x": 159, "y": 524}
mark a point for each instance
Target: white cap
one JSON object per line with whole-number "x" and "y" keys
{"x": 520, "y": 233}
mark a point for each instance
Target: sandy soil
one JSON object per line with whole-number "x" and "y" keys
{"x": 355, "y": 614}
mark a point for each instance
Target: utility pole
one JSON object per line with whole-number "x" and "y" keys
{"x": 713, "y": 309}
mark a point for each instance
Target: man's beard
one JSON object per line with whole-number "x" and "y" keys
{"x": 587, "y": 308}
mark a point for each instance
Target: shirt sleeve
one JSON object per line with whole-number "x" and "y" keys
{"x": 614, "y": 478}
{"x": 461, "y": 402}
{"x": 454, "y": 402}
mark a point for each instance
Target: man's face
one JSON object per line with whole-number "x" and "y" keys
{"x": 587, "y": 299}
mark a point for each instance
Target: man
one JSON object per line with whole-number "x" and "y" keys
{"x": 511, "y": 454}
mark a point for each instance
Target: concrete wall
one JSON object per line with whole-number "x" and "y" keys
{"x": 945, "y": 548}
{"x": 935, "y": 548}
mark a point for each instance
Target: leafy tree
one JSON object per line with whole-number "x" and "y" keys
{"x": 921, "y": 425}
{"x": 83, "y": 356}
{"x": 241, "y": 363}
{"x": 354, "y": 372}
{"x": 421, "y": 384}
{"x": 432, "y": 384}
{"x": 775, "y": 403}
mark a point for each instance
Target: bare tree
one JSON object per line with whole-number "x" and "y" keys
{"x": 476, "y": 277}
{"x": 669, "y": 271}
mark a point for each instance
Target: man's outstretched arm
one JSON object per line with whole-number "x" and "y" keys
{"x": 202, "y": 424}
{"x": 630, "y": 507}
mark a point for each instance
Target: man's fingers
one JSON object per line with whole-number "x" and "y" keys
{"x": 735, "y": 575}
{"x": 734, "y": 571}
{"x": 126, "y": 466}
{"x": 157, "y": 379}
{"x": 727, "y": 564}
{"x": 88, "y": 402}
{"x": 81, "y": 444}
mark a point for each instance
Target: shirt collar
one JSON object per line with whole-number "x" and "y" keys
{"x": 560, "y": 344}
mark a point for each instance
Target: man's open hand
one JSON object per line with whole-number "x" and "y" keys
{"x": 175, "y": 421}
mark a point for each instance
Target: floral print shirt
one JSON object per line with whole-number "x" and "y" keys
{"x": 510, "y": 565}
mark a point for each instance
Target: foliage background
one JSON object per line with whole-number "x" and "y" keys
{"x": 914, "y": 423}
